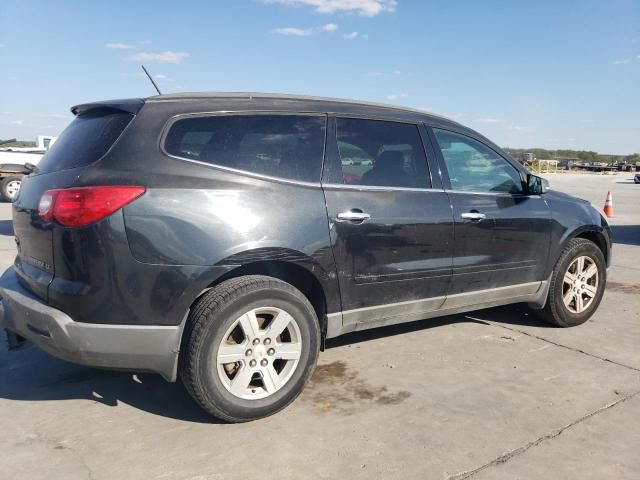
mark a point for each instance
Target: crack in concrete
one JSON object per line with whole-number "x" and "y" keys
{"x": 505, "y": 457}
{"x": 573, "y": 349}
{"x": 56, "y": 445}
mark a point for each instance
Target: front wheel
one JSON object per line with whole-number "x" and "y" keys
{"x": 577, "y": 284}
{"x": 249, "y": 348}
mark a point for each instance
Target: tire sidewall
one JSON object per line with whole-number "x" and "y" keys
{"x": 219, "y": 322}
{"x": 3, "y": 187}
{"x": 567, "y": 317}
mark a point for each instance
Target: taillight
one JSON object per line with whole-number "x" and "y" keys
{"x": 77, "y": 207}
{"x": 45, "y": 206}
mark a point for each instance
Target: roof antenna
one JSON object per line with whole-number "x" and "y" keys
{"x": 151, "y": 79}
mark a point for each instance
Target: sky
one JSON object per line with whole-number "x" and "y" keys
{"x": 549, "y": 74}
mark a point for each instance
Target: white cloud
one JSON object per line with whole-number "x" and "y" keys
{"x": 620, "y": 62}
{"x": 58, "y": 115}
{"x": 2, "y": 45}
{"x": 305, "y": 32}
{"x": 516, "y": 128}
{"x": 396, "y": 96}
{"x": 367, "y": 8}
{"x": 160, "y": 76}
{"x": 295, "y": 32}
{"x": 160, "y": 57}
{"x": 329, "y": 27}
{"x": 488, "y": 120}
{"x": 15, "y": 122}
{"x": 351, "y": 36}
{"x": 120, "y": 46}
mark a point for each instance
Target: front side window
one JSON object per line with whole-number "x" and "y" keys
{"x": 381, "y": 153}
{"x": 474, "y": 167}
{"x": 284, "y": 146}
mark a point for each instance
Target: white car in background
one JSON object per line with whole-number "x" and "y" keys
{"x": 15, "y": 162}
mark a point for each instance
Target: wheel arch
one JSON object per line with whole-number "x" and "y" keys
{"x": 594, "y": 233}
{"x": 302, "y": 272}
{"x": 599, "y": 239}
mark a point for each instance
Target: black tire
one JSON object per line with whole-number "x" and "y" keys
{"x": 5, "y": 188}
{"x": 211, "y": 317}
{"x": 555, "y": 312}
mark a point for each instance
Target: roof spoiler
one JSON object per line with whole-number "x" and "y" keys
{"x": 130, "y": 105}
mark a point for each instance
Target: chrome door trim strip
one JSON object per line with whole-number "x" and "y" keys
{"x": 390, "y": 314}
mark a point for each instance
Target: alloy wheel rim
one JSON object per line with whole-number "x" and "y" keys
{"x": 259, "y": 353}
{"x": 13, "y": 188}
{"x": 580, "y": 284}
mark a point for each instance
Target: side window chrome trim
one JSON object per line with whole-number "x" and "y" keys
{"x": 246, "y": 173}
{"x": 497, "y": 194}
{"x": 377, "y": 188}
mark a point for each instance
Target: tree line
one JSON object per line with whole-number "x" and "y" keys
{"x": 582, "y": 155}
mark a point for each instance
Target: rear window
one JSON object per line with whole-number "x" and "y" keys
{"x": 284, "y": 146}
{"x": 87, "y": 138}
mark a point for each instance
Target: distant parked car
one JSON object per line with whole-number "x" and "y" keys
{"x": 636, "y": 178}
{"x": 219, "y": 238}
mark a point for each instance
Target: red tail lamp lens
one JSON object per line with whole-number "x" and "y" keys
{"x": 77, "y": 207}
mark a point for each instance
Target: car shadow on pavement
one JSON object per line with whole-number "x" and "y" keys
{"x": 626, "y": 234}
{"x": 31, "y": 375}
{"x": 6, "y": 228}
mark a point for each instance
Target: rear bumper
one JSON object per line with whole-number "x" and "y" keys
{"x": 121, "y": 347}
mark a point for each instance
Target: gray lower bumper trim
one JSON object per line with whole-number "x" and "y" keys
{"x": 129, "y": 347}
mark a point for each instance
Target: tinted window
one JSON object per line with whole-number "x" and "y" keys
{"x": 379, "y": 153}
{"x": 472, "y": 166}
{"x": 286, "y": 146}
{"x": 87, "y": 138}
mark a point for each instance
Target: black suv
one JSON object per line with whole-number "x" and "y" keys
{"x": 224, "y": 237}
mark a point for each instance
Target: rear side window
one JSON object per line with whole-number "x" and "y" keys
{"x": 87, "y": 138}
{"x": 284, "y": 146}
{"x": 381, "y": 153}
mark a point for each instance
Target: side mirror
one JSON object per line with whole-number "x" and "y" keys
{"x": 536, "y": 185}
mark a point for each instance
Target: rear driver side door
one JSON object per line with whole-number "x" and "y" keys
{"x": 390, "y": 222}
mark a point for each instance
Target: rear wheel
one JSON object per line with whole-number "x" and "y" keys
{"x": 9, "y": 187}
{"x": 577, "y": 284}
{"x": 250, "y": 346}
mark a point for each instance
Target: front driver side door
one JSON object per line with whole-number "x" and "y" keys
{"x": 502, "y": 235}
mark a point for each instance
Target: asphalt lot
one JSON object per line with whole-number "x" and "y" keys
{"x": 492, "y": 394}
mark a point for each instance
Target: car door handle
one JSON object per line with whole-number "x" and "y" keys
{"x": 353, "y": 215}
{"x": 474, "y": 216}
